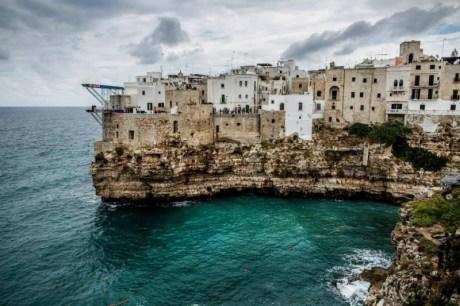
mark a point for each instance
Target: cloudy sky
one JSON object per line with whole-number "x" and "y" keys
{"x": 49, "y": 47}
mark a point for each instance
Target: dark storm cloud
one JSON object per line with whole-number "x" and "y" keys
{"x": 4, "y": 55}
{"x": 361, "y": 33}
{"x": 168, "y": 32}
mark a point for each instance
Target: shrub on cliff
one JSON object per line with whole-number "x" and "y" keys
{"x": 421, "y": 158}
{"x": 119, "y": 151}
{"x": 359, "y": 129}
{"x": 437, "y": 210}
{"x": 389, "y": 132}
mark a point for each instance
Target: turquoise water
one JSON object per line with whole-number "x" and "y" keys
{"x": 60, "y": 245}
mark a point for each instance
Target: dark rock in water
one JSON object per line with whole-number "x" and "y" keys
{"x": 374, "y": 275}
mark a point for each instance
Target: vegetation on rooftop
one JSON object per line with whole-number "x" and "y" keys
{"x": 394, "y": 133}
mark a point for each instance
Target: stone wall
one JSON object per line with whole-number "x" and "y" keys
{"x": 193, "y": 126}
{"x": 298, "y": 85}
{"x": 272, "y": 125}
{"x": 241, "y": 128}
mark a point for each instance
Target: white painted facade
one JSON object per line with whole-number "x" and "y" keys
{"x": 233, "y": 91}
{"x": 397, "y": 88}
{"x": 299, "y": 110}
{"x": 147, "y": 93}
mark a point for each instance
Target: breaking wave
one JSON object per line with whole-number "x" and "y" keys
{"x": 343, "y": 278}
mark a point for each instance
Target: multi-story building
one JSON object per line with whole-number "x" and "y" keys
{"x": 233, "y": 92}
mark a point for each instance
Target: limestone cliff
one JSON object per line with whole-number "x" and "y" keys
{"x": 334, "y": 164}
{"x": 426, "y": 270}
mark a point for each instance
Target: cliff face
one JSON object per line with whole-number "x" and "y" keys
{"x": 426, "y": 270}
{"x": 333, "y": 164}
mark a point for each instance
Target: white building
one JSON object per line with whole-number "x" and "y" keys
{"x": 233, "y": 91}
{"x": 147, "y": 93}
{"x": 397, "y": 91}
{"x": 299, "y": 112}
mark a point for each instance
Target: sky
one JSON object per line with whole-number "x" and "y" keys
{"x": 49, "y": 47}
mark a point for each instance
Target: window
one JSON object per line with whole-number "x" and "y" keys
{"x": 373, "y": 108}
{"x": 457, "y": 77}
{"x": 430, "y": 93}
{"x": 241, "y": 83}
{"x": 175, "y": 127}
{"x": 161, "y": 104}
{"x": 395, "y": 83}
{"x": 333, "y": 106}
{"x": 364, "y": 80}
{"x": 379, "y": 95}
{"x": 418, "y": 67}
{"x": 222, "y": 99}
{"x": 422, "y": 106}
{"x": 353, "y": 79}
{"x": 401, "y": 83}
{"x": 361, "y": 94}
{"x": 375, "y": 80}
{"x": 361, "y": 107}
{"x": 239, "y": 96}
{"x": 273, "y": 101}
{"x": 410, "y": 58}
{"x": 455, "y": 94}
{"x": 334, "y": 79}
{"x": 238, "y": 124}
{"x": 432, "y": 67}
{"x": 144, "y": 79}
{"x": 351, "y": 106}
{"x": 245, "y": 83}
{"x": 273, "y": 120}
{"x": 281, "y": 106}
{"x": 217, "y": 129}
{"x": 300, "y": 106}
{"x": 318, "y": 107}
{"x": 143, "y": 92}
{"x": 334, "y": 95}
{"x": 246, "y": 96}
{"x": 300, "y": 85}
{"x": 149, "y": 106}
{"x": 330, "y": 119}
{"x": 222, "y": 85}
{"x": 415, "y": 94}
{"x": 117, "y": 134}
{"x": 431, "y": 80}
{"x": 159, "y": 92}
{"x": 131, "y": 135}
{"x": 318, "y": 93}
{"x": 417, "y": 80}
{"x": 396, "y": 106}
{"x": 352, "y": 94}
{"x": 297, "y": 76}
{"x": 452, "y": 107}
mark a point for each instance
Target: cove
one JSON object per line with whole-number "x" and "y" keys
{"x": 250, "y": 249}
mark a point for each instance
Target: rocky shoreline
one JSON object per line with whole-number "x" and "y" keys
{"x": 426, "y": 269}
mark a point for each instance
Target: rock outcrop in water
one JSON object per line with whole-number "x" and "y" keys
{"x": 334, "y": 164}
{"x": 426, "y": 270}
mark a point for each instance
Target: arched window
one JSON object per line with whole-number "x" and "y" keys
{"x": 410, "y": 59}
{"x": 281, "y": 106}
{"x": 334, "y": 93}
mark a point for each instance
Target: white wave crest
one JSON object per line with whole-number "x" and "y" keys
{"x": 344, "y": 281}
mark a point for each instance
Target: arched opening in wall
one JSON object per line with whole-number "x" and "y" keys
{"x": 281, "y": 106}
{"x": 410, "y": 59}
{"x": 333, "y": 93}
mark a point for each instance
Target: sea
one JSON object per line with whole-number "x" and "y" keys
{"x": 61, "y": 245}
